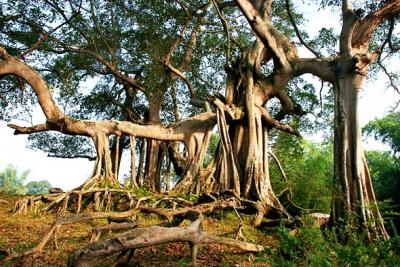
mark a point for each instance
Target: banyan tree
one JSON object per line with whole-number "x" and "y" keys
{"x": 169, "y": 73}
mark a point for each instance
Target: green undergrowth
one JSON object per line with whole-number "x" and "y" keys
{"x": 311, "y": 246}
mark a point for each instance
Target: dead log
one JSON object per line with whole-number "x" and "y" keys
{"x": 96, "y": 233}
{"x": 320, "y": 219}
{"x": 55, "y": 190}
{"x": 150, "y": 236}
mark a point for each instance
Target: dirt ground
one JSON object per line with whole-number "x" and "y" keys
{"x": 22, "y": 232}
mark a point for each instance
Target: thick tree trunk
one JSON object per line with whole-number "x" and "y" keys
{"x": 152, "y": 176}
{"x": 103, "y": 175}
{"x": 354, "y": 202}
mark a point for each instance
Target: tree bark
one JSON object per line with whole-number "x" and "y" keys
{"x": 354, "y": 201}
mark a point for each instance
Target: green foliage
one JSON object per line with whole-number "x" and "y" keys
{"x": 385, "y": 171}
{"x": 308, "y": 248}
{"x": 309, "y": 169}
{"x": 385, "y": 166}
{"x": 386, "y": 129}
{"x": 212, "y": 148}
{"x": 38, "y": 187}
{"x": 12, "y": 182}
{"x": 311, "y": 246}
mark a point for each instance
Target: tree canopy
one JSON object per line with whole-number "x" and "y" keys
{"x": 12, "y": 182}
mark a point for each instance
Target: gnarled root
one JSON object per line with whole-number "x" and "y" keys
{"x": 154, "y": 235}
{"x": 141, "y": 206}
{"x": 74, "y": 201}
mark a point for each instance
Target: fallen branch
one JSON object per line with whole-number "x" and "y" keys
{"x": 164, "y": 213}
{"x": 96, "y": 233}
{"x": 150, "y": 236}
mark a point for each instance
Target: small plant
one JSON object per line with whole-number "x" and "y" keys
{"x": 311, "y": 246}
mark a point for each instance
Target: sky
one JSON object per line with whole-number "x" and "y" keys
{"x": 70, "y": 173}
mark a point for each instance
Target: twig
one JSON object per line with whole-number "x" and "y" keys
{"x": 47, "y": 35}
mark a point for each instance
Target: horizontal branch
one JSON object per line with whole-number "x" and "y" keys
{"x": 28, "y": 130}
{"x": 271, "y": 122}
{"x": 322, "y": 68}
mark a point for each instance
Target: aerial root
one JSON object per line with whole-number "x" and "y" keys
{"x": 60, "y": 203}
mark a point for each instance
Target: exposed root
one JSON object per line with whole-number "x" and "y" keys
{"x": 239, "y": 233}
{"x": 169, "y": 208}
{"x": 169, "y": 214}
{"x": 150, "y": 236}
{"x": 74, "y": 201}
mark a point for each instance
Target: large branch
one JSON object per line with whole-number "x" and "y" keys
{"x": 349, "y": 19}
{"x": 364, "y": 28}
{"x": 12, "y": 66}
{"x": 261, "y": 28}
{"x": 322, "y": 68}
{"x": 57, "y": 121}
{"x": 28, "y": 130}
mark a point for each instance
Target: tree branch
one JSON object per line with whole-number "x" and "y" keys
{"x": 12, "y": 66}
{"x": 276, "y": 124}
{"x": 227, "y": 32}
{"x": 322, "y": 68}
{"x": 47, "y": 35}
{"x": 296, "y": 29}
{"x": 364, "y": 28}
{"x": 261, "y": 28}
{"x": 113, "y": 69}
{"x": 345, "y": 42}
{"x": 184, "y": 78}
{"x": 390, "y": 76}
{"x": 28, "y": 130}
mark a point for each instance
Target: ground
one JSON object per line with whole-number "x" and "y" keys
{"x": 21, "y": 232}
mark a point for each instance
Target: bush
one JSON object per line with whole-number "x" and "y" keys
{"x": 312, "y": 247}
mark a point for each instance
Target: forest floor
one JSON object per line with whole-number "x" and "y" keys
{"x": 22, "y": 232}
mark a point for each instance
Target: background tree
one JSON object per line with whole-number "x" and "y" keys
{"x": 308, "y": 169}
{"x": 38, "y": 187}
{"x": 385, "y": 165}
{"x": 12, "y": 182}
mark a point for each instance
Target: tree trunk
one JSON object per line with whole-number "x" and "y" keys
{"x": 354, "y": 201}
{"x": 103, "y": 175}
{"x": 152, "y": 176}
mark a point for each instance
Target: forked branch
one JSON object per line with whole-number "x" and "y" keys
{"x": 261, "y": 28}
{"x": 296, "y": 29}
